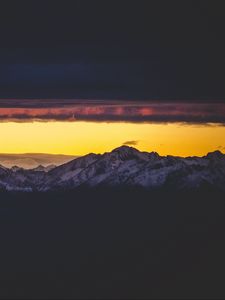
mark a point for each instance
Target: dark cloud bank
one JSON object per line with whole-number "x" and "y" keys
{"x": 112, "y": 50}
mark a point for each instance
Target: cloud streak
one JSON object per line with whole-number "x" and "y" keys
{"x": 130, "y": 143}
{"x": 114, "y": 111}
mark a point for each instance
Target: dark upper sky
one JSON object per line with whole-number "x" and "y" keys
{"x": 112, "y": 49}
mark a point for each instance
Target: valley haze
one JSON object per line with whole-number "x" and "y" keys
{"x": 33, "y": 160}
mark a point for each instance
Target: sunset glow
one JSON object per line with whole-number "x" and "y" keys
{"x": 80, "y": 138}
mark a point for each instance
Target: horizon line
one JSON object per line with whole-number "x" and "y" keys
{"x": 125, "y": 146}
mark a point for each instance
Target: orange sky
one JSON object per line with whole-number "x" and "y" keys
{"x": 82, "y": 137}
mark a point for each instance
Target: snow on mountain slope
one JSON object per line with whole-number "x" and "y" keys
{"x": 124, "y": 166}
{"x": 65, "y": 175}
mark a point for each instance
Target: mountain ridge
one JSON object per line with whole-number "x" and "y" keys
{"x": 124, "y": 166}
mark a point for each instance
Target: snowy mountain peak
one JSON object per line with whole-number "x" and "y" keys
{"x": 126, "y": 153}
{"x": 125, "y": 149}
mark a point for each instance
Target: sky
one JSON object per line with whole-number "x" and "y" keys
{"x": 80, "y": 138}
{"x": 88, "y": 76}
{"x": 112, "y": 50}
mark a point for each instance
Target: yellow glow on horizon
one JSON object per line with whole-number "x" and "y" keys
{"x": 79, "y": 138}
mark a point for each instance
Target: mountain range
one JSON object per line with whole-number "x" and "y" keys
{"x": 123, "y": 167}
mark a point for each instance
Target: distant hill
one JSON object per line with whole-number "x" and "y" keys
{"x": 33, "y": 160}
